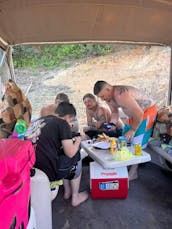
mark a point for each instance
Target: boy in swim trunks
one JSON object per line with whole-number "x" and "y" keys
{"x": 57, "y": 153}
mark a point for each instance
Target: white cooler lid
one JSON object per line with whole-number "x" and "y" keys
{"x": 97, "y": 172}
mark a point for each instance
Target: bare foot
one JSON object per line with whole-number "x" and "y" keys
{"x": 80, "y": 198}
{"x": 133, "y": 176}
{"x": 67, "y": 195}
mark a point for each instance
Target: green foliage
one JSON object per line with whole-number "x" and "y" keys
{"x": 56, "y": 55}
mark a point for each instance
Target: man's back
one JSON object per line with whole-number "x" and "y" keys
{"x": 122, "y": 93}
{"x": 48, "y": 110}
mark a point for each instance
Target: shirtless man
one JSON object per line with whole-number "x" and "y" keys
{"x": 50, "y": 109}
{"x": 97, "y": 115}
{"x": 140, "y": 109}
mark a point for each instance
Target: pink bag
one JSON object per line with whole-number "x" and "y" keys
{"x": 16, "y": 159}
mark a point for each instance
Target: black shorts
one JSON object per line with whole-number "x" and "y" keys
{"x": 111, "y": 133}
{"x": 70, "y": 173}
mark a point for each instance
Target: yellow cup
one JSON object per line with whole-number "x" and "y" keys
{"x": 138, "y": 149}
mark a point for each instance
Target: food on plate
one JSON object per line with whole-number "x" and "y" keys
{"x": 122, "y": 154}
{"x": 103, "y": 138}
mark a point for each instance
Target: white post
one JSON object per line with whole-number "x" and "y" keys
{"x": 170, "y": 81}
{"x": 10, "y": 62}
{"x": 41, "y": 200}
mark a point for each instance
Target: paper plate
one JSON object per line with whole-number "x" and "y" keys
{"x": 102, "y": 145}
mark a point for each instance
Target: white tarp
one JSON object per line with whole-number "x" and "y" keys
{"x": 35, "y": 21}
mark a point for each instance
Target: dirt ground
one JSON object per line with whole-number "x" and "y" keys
{"x": 146, "y": 67}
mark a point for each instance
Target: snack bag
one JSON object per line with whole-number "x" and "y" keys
{"x": 122, "y": 154}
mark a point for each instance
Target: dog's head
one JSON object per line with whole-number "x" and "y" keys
{"x": 165, "y": 115}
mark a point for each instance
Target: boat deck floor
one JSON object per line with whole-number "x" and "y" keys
{"x": 148, "y": 205}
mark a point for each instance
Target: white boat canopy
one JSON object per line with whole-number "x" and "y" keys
{"x": 56, "y": 21}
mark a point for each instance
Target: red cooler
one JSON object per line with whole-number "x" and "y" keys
{"x": 108, "y": 183}
{"x": 16, "y": 159}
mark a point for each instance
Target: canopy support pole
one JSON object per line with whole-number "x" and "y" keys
{"x": 10, "y": 63}
{"x": 170, "y": 81}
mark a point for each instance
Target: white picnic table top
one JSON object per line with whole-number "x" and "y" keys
{"x": 104, "y": 157}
